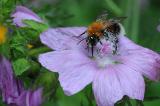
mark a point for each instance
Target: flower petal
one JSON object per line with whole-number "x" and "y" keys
{"x": 125, "y": 44}
{"x": 75, "y": 69}
{"x": 72, "y": 81}
{"x": 34, "y": 98}
{"x": 144, "y": 64}
{"x": 61, "y": 38}
{"x": 139, "y": 58}
{"x": 112, "y": 84}
{"x": 8, "y": 84}
{"x": 58, "y": 61}
{"x": 23, "y": 13}
{"x": 107, "y": 88}
{"x": 27, "y": 11}
{"x": 131, "y": 81}
{"x": 30, "y": 98}
{"x": 21, "y": 99}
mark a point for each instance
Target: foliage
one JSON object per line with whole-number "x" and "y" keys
{"x": 21, "y": 65}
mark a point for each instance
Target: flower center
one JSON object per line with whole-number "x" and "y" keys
{"x": 103, "y": 55}
{"x": 103, "y": 62}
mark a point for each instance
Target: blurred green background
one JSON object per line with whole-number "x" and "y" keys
{"x": 143, "y": 17}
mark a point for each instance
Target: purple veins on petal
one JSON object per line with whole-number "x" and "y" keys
{"x": 106, "y": 87}
{"x": 74, "y": 75}
{"x": 139, "y": 58}
{"x": 30, "y": 98}
{"x": 64, "y": 38}
{"x": 34, "y": 98}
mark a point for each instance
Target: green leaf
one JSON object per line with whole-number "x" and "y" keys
{"x": 18, "y": 40}
{"x": 29, "y": 34}
{"x": 18, "y": 45}
{"x": 4, "y": 49}
{"x": 21, "y": 65}
{"x": 40, "y": 27}
{"x": 6, "y": 8}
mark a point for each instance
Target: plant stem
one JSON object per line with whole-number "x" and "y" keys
{"x": 39, "y": 50}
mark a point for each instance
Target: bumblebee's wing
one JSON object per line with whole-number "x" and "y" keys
{"x": 119, "y": 19}
{"x": 61, "y": 38}
{"x": 102, "y": 16}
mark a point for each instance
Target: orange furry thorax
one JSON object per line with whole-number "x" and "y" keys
{"x": 95, "y": 29}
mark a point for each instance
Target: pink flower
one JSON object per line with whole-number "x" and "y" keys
{"x": 112, "y": 76}
{"x": 22, "y": 13}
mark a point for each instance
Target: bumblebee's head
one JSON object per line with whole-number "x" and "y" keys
{"x": 95, "y": 29}
{"x": 92, "y": 40}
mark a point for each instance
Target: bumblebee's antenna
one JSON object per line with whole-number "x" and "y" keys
{"x": 81, "y": 40}
{"x": 82, "y": 34}
{"x": 92, "y": 48}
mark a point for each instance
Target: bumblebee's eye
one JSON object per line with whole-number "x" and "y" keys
{"x": 92, "y": 38}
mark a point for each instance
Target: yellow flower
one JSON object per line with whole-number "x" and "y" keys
{"x": 3, "y": 31}
{"x": 29, "y": 46}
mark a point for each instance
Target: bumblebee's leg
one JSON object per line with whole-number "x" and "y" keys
{"x": 99, "y": 41}
{"x": 87, "y": 47}
{"x": 106, "y": 34}
{"x": 92, "y": 48}
{"x": 87, "y": 41}
{"x": 115, "y": 44}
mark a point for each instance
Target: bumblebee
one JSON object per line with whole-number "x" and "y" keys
{"x": 103, "y": 28}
